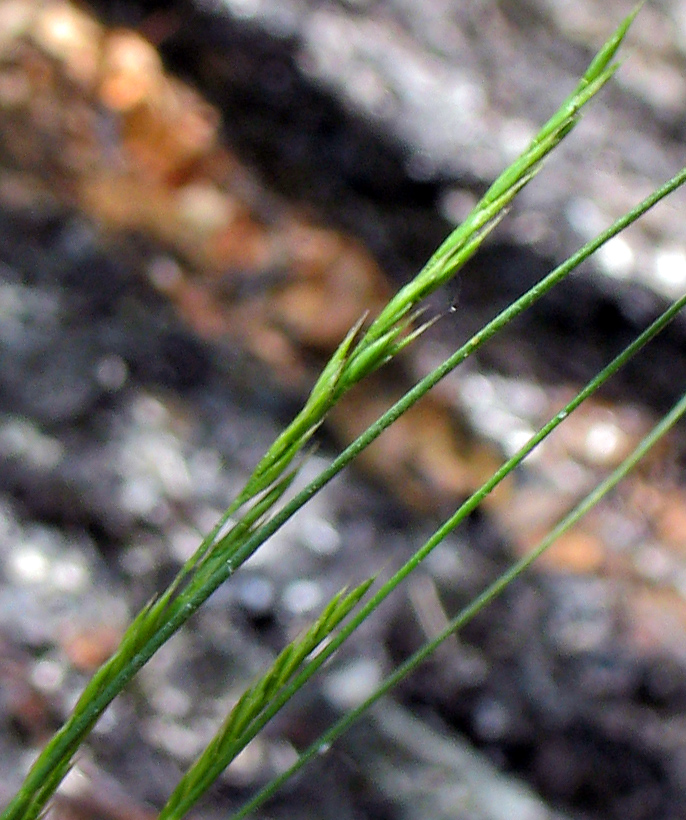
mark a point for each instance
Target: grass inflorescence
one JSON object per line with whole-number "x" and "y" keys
{"x": 259, "y": 509}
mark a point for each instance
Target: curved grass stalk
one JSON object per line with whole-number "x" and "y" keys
{"x": 220, "y": 554}
{"x": 232, "y": 743}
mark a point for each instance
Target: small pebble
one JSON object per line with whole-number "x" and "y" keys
{"x": 256, "y": 593}
{"x": 320, "y": 536}
{"x": 352, "y": 684}
{"x": 302, "y": 596}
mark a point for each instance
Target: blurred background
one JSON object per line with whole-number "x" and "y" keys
{"x": 197, "y": 201}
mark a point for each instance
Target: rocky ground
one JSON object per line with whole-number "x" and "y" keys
{"x": 170, "y": 254}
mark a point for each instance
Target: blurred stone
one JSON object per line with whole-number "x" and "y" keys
{"x": 575, "y": 552}
{"x": 348, "y": 686}
{"x": 89, "y": 648}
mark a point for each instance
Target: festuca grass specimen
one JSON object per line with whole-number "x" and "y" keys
{"x": 259, "y": 510}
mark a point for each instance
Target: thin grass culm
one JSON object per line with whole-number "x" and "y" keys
{"x": 465, "y": 615}
{"x": 254, "y": 515}
{"x": 230, "y": 740}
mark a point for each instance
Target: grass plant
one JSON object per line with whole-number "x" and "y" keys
{"x": 259, "y": 510}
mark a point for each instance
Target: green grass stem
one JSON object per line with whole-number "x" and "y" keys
{"x": 250, "y": 519}
{"x": 323, "y": 743}
{"x": 449, "y": 526}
